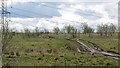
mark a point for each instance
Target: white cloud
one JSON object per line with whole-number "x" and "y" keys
{"x": 16, "y": 26}
{"x": 107, "y": 21}
{"x": 99, "y": 8}
{"x": 21, "y": 23}
{"x": 72, "y": 16}
{"x": 56, "y": 21}
{"x": 23, "y": 19}
{"x": 44, "y": 24}
{"x": 20, "y": 27}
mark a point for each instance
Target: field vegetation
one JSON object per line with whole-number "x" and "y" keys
{"x": 59, "y": 48}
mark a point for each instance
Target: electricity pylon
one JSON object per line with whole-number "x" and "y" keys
{"x": 4, "y": 22}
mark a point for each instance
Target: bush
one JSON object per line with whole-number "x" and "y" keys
{"x": 39, "y": 58}
{"x": 17, "y": 54}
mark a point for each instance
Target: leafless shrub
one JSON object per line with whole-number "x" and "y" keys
{"x": 39, "y": 58}
{"x": 6, "y": 53}
{"x": 29, "y": 50}
{"x": 56, "y": 58}
{"x": 49, "y": 50}
{"x": 12, "y": 53}
{"x": 17, "y": 54}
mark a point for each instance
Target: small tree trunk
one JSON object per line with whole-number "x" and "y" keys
{"x": 101, "y": 34}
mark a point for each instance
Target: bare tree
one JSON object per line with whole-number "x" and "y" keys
{"x": 84, "y": 27}
{"x": 37, "y": 32}
{"x": 56, "y": 30}
{"x": 63, "y": 31}
{"x": 74, "y": 32}
{"x": 112, "y": 29}
{"x": 90, "y": 30}
{"x": 87, "y": 29}
{"x": 46, "y": 31}
{"x": 104, "y": 29}
{"x": 68, "y": 29}
{"x": 100, "y": 30}
{"x": 71, "y": 30}
{"x": 27, "y": 32}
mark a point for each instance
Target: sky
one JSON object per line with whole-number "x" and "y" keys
{"x": 47, "y": 14}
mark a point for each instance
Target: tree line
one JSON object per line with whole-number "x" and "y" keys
{"x": 102, "y": 30}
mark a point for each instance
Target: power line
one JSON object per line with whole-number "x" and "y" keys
{"x": 85, "y": 13}
{"x": 33, "y": 13}
{"x": 24, "y": 25}
{"x": 30, "y": 12}
{"x": 30, "y": 16}
{"x": 36, "y": 14}
{"x": 21, "y": 15}
{"x": 41, "y": 22}
{"x": 39, "y": 13}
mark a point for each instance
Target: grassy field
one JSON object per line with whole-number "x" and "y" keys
{"x": 108, "y": 43}
{"x": 51, "y": 50}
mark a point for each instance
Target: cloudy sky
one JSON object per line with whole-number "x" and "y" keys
{"x": 50, "y": 13}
